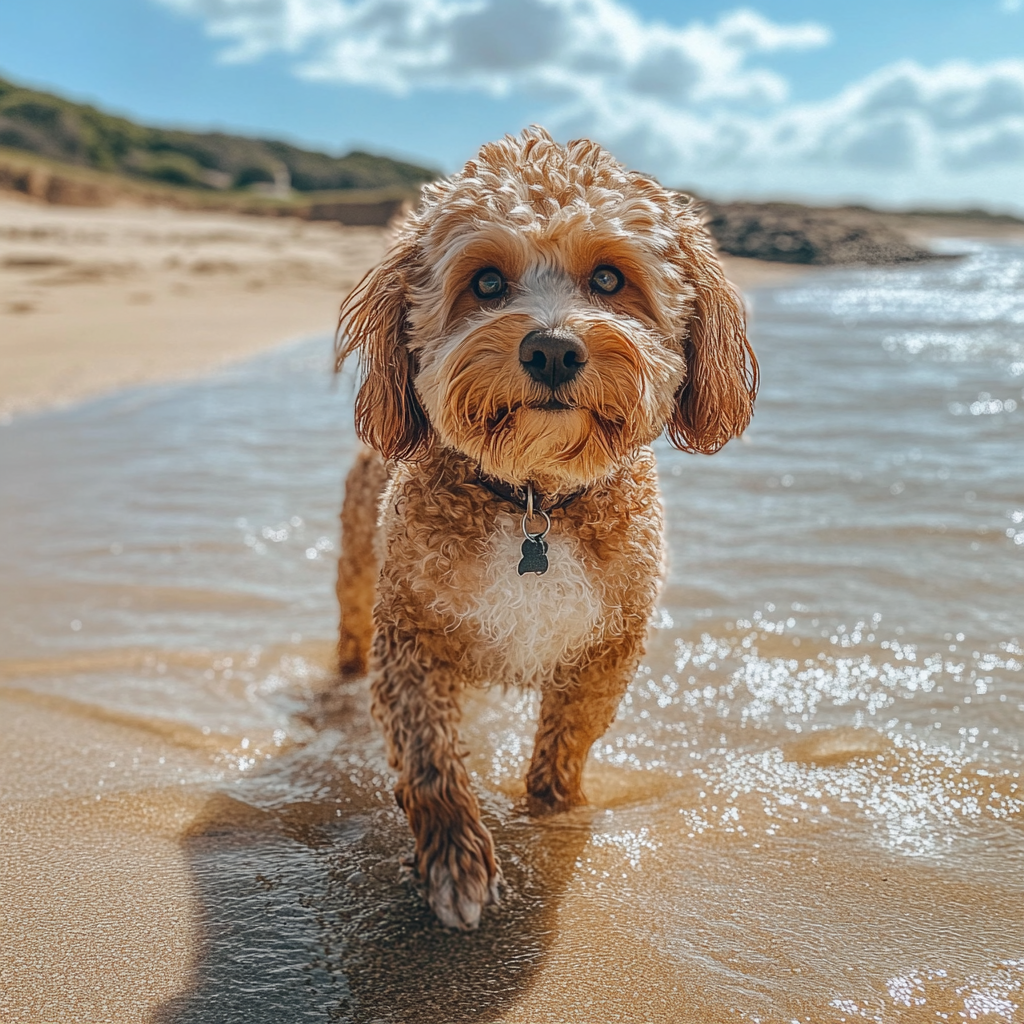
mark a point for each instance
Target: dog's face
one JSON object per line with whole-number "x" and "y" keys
{"x": 547, "y": 312}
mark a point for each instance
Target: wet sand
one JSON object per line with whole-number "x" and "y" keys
{"x": 97, "y": 905}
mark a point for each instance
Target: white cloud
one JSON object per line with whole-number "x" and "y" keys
{"x": 552, "y": 47}
{"x": 692, "y": 104}
{"x": 902, "y": 121}
{"x": 906, "y": 117}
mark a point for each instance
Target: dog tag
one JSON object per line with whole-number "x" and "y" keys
{"x": 535, "y": 556}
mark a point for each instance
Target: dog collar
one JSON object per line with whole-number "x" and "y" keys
{"x": 519, "y": 496}
{"x": 535, "y": 547}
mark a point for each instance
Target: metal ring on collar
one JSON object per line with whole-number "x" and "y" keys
{"x": 547, "y": 524}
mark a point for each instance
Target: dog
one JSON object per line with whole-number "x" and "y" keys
{"x": 540, "y": 319}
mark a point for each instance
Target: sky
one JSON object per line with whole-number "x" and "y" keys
{"x": 894, "y": 102}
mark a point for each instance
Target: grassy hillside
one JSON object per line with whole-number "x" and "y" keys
{"x": 75, "y": 133}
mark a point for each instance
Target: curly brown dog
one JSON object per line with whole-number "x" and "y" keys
{"x": 538, "y": 322}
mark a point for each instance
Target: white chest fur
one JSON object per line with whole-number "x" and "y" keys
{"x": 526, "y": 625}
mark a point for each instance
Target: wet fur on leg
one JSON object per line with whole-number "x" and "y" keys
{"x": 447, "y": 395}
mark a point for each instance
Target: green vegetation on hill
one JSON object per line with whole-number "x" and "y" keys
{"x": 75, "y": 133}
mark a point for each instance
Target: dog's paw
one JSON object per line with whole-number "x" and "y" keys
{"x": 541, "y": 801}
{"x": 543, "y": 806}
{"x": 458, "y": 900}
{"x": 407, "y": 874}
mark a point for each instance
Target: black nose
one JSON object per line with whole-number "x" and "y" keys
{"x": 550, "y": 358}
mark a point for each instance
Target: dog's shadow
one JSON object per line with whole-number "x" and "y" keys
{"x": 304, "y": 917}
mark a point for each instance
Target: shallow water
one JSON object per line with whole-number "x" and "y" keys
{"x": 809, "y": 808}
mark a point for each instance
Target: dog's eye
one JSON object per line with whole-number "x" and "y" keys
{"x": 606, "y": 280}
{"x": 489, "y": 283}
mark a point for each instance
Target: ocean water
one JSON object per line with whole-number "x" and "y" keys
{"x": 809, "y": 808}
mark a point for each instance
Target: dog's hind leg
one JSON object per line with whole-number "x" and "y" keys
{"x": 359, "y": 562}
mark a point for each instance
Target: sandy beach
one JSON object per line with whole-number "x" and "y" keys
{"x": 95, "y": 300}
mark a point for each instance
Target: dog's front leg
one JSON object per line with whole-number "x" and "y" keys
{"x": 576, "y": 709}
{"x": 454, "y": 856}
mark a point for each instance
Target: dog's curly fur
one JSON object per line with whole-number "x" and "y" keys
{"x": 447, "y": 401}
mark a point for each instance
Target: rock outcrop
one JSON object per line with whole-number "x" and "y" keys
{"x": 821, "y": 236}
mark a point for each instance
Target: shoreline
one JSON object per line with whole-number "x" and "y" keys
{"x": 97, "y": 300}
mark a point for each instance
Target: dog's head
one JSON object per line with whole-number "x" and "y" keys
{"x": 546, "y": 312}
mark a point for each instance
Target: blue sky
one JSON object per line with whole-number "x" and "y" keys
{"x": 895, "y": 103}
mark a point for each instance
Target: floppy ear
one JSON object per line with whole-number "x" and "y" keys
{"x": 372, "y": 322}
{"x": 716, "y": 400}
